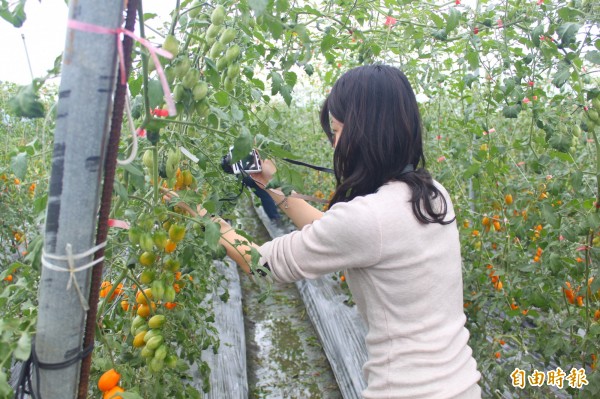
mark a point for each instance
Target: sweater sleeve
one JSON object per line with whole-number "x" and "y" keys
{"x": 347, "y": 236}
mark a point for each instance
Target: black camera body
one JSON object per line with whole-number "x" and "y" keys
{"x": 248, "y": 165}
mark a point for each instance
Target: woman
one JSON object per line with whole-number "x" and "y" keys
{"x": 393, "y": 230}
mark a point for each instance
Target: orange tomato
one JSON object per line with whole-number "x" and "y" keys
{"x": 170, "y": 305}
{"x": 125, "y": 305}
{"x": 109, "y": 380}
{"x": 112, "y": 393}
{"x": 170, "y": 246}
{"x": 570, "y": 296}
{"x": 105, "y": 289}
{"x": 144, "y": 310}
{"x": 497, "y": 226}
{"x": 141, "y": 299}
{"x": 486, "y": 221}
{"x": 508, "y": 199}
{"x": 8, "y": 278}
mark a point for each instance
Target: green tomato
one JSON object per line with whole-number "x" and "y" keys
{"x": 232, "y": 53}
{"x": 229, "y": 84}
{"x": 147, "y": 276}
{"x": 182, "y": 67}
{"x": 155, "y": 341}
{"x": 222, "y": 63}
{"x": 169, "y": 294}
{"x": 146, "y": 242}
{"x": 158, "y": 291}
{"x": 171, "y": 361}
{"x": 151, "y": 334}
{"x": 178, "y": 92}
{"x": 216, "y": 50}
{"x": 161, "y": 352}
{"x": 171, "y": 44}
{"x": 195, "y": 9}
{"x": 191, "y": 78}
{"x": 147, "y": 352}
{"x": 156, "y": 364}
{"x": 156, "y": 321}
{"x": 212, "y": 32}
{"x": 200, "y": 90}
{"x": 233, "y": 71}
{"x": 148, "y": 159}
{"x": 227, "y": 36}
{"x": 218, "y": 15}
{"x": 134, "y": 235}
{"x": 160, "y": 239}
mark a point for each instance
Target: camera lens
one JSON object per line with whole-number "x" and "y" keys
{"x": 226, "y": 164}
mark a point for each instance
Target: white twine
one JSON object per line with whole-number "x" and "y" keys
{"x": 134, "y": 144}
{"x": 70, "y": 258}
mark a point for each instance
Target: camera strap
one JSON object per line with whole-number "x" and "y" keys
{"x": 315, "y": 167}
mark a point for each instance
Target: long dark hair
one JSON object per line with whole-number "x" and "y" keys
{"x": 381, "y": 139}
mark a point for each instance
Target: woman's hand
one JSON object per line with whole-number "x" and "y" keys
{"x": 268, "y": 170}
{"x": 201, "y": 211}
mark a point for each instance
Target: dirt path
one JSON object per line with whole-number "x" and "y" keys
{"x": 284, "y": 356}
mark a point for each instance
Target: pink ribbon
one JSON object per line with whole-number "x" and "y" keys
{"x": 118, "y": 223}
{"x": 85, "y": 27}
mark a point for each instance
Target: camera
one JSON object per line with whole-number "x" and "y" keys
{"x": 249, "y": 164}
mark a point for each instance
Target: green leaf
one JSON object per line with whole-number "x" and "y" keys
{"x": 282, "y": 5}
{"x": 18, "y": 164}
{"x": 275, "y": 27}
{"x": 277, "y": 82}
{"x": 120, "y": 190}
{"x": 453, "y": 19}
{"x": 328, "y": 42}
{"x": 440, "y": 34}
{"x": 23, "y": 349}
{"x": 130, "y": 395}
{"x": 509, "y": 85}
{"x": 511, "y": 111}
{"x": 17, "y": 16}
{"x": 550, "y": 215}
{"x": 212, "y": 234}
{"x": 562, "y": 74}
{"x": 472, "y": 58}
{"x": 567, "y": 32}
{"x": 437, "y": 20}
{"x": 5, "y": 389}
{"x": 471, "y": 170}
{"x": 242, "y": 146}
{"x": 290, "y": 78}
{"x": 26, "y": 104}
{"x": 222, "y": 98}
{"x": 155, "y": 93}
{"x": 132, "y": 169}
{"x": 570, "y": 14}
{"x": 258, "y": 6}
{"x": 593, "y": 57}
{"x": 286, "y": 93}
{"x": 535, "y": 35}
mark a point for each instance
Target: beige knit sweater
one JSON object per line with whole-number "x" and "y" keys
{"x": 406, "y": 280}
